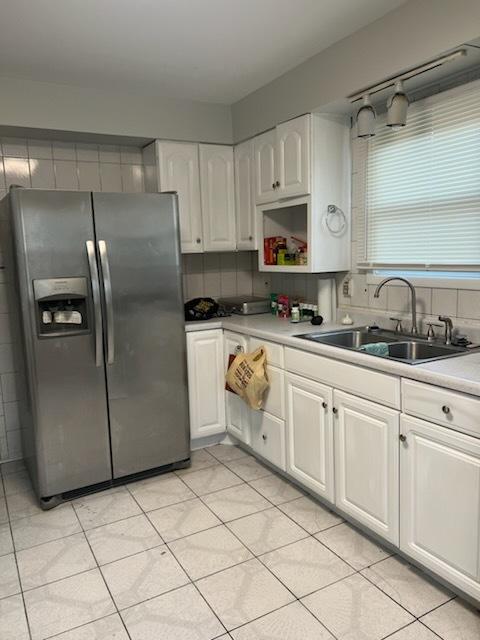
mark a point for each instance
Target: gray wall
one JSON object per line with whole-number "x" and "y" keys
{"x": 417, "y": 31}
{"x": 55, "y": 107}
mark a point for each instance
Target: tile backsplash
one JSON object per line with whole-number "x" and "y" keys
{"x": 47, "y": 164}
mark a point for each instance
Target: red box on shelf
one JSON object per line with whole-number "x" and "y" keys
{"x": 270, "y": 246}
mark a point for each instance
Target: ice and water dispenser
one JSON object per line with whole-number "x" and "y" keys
{"x": 61, "y": 306}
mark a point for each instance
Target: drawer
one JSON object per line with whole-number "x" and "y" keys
{"x": 372, "y": 385}
{"x": 448, "y": 408}
{"x": 268, "y": 438}
{"x": 274, "y": 399}
{"x": 274, "y": 351}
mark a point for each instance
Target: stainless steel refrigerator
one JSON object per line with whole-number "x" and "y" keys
{"x": 95, "y": 280}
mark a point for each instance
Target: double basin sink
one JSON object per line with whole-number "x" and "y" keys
{"x": 401, "y": 347}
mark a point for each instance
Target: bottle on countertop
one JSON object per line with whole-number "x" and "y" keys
{"x": 274, "y": 304}
{"x": 295, "y": 312}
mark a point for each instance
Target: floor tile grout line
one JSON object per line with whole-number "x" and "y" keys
{"x": 190, "y": 581}
{"x": 393, "y": 599}
{"x": 85, "y": 624}
{"x": 200, "y": 593}
{"x": 104, "y": 580}
{"x": 27, "y": 620}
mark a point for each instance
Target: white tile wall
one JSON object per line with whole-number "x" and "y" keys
{"x": 44, "y": 164}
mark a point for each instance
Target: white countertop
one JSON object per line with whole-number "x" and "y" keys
{"x": 460, "y": 373}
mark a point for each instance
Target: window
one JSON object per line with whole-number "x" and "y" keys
{"x": 422, "y": 187}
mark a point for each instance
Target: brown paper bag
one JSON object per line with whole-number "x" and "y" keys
{"x": 246, "y": 376}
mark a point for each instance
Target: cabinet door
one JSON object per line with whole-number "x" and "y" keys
{"x": 218, "y": 200}
{"x": 293, "y": 157}
{"x": 265, "y": 179}
{"x": 179, "y": 171}
{"x": 310, "y": 434}
{"x": 206, "y": 382}
{"x": 268, "y": 437}
{"x": 237, "y": 412}
{"x": 440, "y": 501}
{"x": 366, "y": 463}
{"x": 245, "y": 196}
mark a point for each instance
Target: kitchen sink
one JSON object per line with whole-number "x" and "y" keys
{"x": 402, "y": 347}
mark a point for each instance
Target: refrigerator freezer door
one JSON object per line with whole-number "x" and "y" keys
{"x": 138, "y": 245}
{"x": 65, "y": 408}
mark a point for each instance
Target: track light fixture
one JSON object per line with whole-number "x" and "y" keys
{"x": 397, "y": 106}
{"x": 366, "y": 116}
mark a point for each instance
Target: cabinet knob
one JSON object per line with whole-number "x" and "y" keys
{"x": 324, "y": 405}
{"x": 402, "y": 437}
{"x": 198, "y": 240}
{"x": 445, "y": 409}
{"x": 273, "y": 185}
{"x": 335, "y": 410}
{"x": 277, "y": 183}
{"x": 264, "y": 437}
{"x": 250, "y": 237}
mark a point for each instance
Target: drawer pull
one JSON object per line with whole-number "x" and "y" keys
{"x": 264, "y": 437}
{"x": 402, "y": 437}
{"x": 335, "y": 410}
{"x": 324, "y": 405}
{"x": 445, "y": 409}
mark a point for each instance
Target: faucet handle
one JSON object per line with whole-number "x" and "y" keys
{"x": 398, "y": 326}
{"x": 431, "y": 331}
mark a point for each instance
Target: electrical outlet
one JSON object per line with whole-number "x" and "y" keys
{"x": 346, "y": 288}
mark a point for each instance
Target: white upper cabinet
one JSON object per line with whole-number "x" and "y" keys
{"x": 179, "y": 171}
{"x": 265, "y": 180}
{"x": 218, "y": 199}
{"x": 440, "y": 501}
{"x": 282, "y": 161}
{"x": 245, "y": 195}
{"x": 366, "y": 463}
{"x": 293, "y": 157}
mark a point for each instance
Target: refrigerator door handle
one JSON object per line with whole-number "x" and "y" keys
{"x": 97, "y": 309}
{"x": 107, "y": 289}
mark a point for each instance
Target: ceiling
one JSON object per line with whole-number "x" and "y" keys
{"x": 207, "y": 50}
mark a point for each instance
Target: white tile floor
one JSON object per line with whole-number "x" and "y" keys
{"x": 225, "y": 549}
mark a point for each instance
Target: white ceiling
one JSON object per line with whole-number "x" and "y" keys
{"x": 208, "y": 50}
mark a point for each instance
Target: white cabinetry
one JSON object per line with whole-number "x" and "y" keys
{"x": 293, "y": 157}
{"x": 366, "y": 463}
{"x": 218, "y": 199}
{"x": 178, "y": 170}
{"x": 245, "y": 196}
{"x": 282, "y": 161}
{"x": 440, "y": 502}
{"x": 265, "y": 180}
{"x": 310, "y": 434}
{"x": 206, "y": 382}
{"x": 268, "y": 437}
{"x": 237, "y": 412}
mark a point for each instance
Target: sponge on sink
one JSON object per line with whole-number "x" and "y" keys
{"x": 376, "y": 348}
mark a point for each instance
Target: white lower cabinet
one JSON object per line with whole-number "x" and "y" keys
{"x": 440, "y": 502}
{"x": 310, "y": 434}
{"x": 367, "y": 463}
{"x": 268, "y": 437}
{"x": 206, "y": 382}
{"x": 237, "y": 412}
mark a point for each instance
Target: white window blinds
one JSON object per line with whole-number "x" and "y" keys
{"x": 422, "y": 186}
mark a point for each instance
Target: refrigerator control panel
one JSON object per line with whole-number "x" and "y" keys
{"x": 61, "y": 306}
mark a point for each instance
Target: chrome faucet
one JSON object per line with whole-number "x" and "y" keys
{"x": 414, "y": 298}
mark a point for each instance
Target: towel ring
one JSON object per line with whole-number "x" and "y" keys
{"x": 335, "y": 212}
